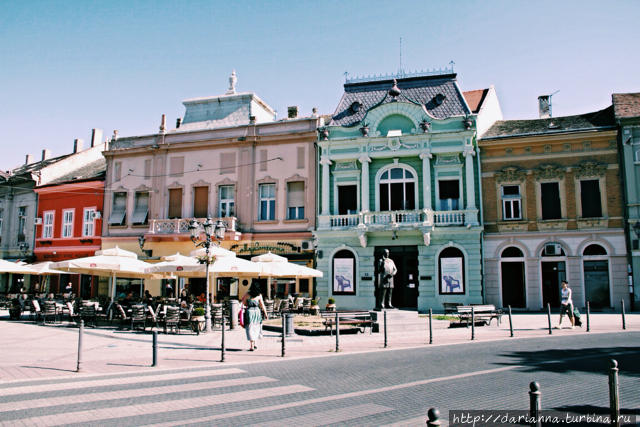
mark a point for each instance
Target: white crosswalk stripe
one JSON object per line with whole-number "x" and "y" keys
{"x": 132, "y": 393}
{"x": 140, "y": 380}
{"x": 336, "y": 415}
{"x": 94, "y": 416}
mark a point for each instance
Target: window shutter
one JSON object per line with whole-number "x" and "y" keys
{"x": 295, "y": 194}
{"x": 263, "y": 160}
{"x": 175, "y": 203}
{"x": 227, "y": 163}
{"x": 141, "y": 208}
{"x": 119, "y": 209}
{"x": 176, "y": 166}
{"x": 300, "y": 157}
{"x": 117, "y": 171}
{"x": 200, "y": 202}
{"x": 147, "y": 168}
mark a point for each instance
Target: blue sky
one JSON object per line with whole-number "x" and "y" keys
{"x": 69, "y": 66}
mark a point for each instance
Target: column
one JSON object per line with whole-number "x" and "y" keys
{"x": 471, "y": 191}
{"x": 364, "y": 186}
{"x": 326, "y": 163}
{"x": 426, "y": 179}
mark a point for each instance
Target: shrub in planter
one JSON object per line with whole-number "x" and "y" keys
{"x": 331, "y": 304}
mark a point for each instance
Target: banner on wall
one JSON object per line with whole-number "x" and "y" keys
{"x": 343, "y": 276}
{"x": 451, "y": 280}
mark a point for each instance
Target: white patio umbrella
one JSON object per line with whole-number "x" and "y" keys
{"x": 215, "y": 251}
{"x": 44, "y": 269}
{"x": 177, "y": 265}
{"x": 273, "y": 265}
{"x": 109, "y": 262}
{"x": 12, "y": 267}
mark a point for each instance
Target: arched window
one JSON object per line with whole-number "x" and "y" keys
{"x": 512, "y": 252}
{"x": 451, "y": 271}
{"x": 594, "y": 250}
{"x": 397, "y": 189}
{"x": 344, "y": 273}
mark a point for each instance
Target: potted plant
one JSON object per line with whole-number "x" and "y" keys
{"x": 315, "y": 308}
{"x": 331, "y": 304}
{"x": 198, "y": 314}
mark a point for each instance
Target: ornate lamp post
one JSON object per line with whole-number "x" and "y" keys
{"x": 217, "y": 231}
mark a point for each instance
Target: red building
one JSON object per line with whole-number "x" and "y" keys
{"x": 69, "y": 224}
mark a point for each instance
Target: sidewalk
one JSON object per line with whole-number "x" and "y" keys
{"x": 32, "y": 351}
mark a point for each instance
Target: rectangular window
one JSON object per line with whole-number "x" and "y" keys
{"x": 590, "y": 198}
{"x": 449, "y": 192}
{"x": 1, "y": 220}
{"x": 176, "y": 166}
{"x": 88, "y": 222}
{"x": 550, "y": 199}
{"x": 226, "y": 206}
{"x": 175, "y": 203}
{"x": 263, "y": 160}
{"x": 67, "y": 223}
{"x": 267, "y": 202}
{"x": 147, "y": 168}
{"x": 300, "y": 152}
{"x": 117, "y": 171}
{"x": 140, "y": 208}
{"x": 47, "y": 224}
{"x": 201, "y": 202}
{"x": 511, "y": 202}
{"x": 227, "y": 163}
{"x": 118, "y": 209}
{"x": 22, "y": 222}
{"x": 295, "y": 200}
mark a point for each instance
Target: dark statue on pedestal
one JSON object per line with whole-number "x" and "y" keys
{"x": 386, "y": 270}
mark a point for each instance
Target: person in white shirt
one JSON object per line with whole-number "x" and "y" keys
{"x": 566, "y": 303}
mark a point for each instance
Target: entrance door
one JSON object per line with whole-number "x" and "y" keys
{"x": 85, "y": 286}
{"x": 553, "y": 273}
{"x": 596, "y": 283}
{"x": 513, "y": 288}
{"x": 405, "y": 282}
{"x": 347, "y": 199}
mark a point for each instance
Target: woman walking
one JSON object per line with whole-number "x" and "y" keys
{"x": 253, "y": 314}
{"x": 566, "y": 303}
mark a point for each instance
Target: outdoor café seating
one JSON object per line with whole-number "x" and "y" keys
{"x": 50, "y": 312}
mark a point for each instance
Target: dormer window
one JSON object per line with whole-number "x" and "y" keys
{"x": 355, "y": 106}
{"x": 439, "y": 99}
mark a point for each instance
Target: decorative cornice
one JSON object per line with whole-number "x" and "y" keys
{"x": 590, "y": 168}
{"x": 548, "y": 172}
{"x": 510, "y": 174}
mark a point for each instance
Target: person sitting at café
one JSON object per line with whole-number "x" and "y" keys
{"x": 128, "y": 300}
{"x": 68, "y": 290}
{"x": 148, "y": 299}
{"x": 202, "y": 298}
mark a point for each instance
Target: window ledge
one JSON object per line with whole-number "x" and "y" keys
{"x": 295, "y": 221}
{"x": 552, "y": 224}
{"x": 513, "y": 225}
{"x": 139, "y": 225}
{"x": 118, "y": 226}
{"x": 267, "y": 221}
{"x": 587, "y": 223}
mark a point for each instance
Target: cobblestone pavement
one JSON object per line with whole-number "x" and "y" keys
{"x": 364, "y": 384}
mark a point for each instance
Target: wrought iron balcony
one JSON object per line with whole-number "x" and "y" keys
{"x": 397, "y": 219}
{"x": 181, "y": 225}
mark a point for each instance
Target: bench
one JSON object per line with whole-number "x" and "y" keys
{"x": 482, "y": 313}
{"x": 359, "y": 319}
{"x": 451, "y": 307}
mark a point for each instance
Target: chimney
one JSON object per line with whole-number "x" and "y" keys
{"x": 163, "y": 124}
{"x": 78, "y": 144}
{"x": 178, "y": 122}
{"x": 252, "y": 120}
{"x": 292, "y": 112}
{"x": 96, "y": 137}
{"x": 46, "y": 154}
{"x": 28, "y": 159}
{"x": 544, "y": 106}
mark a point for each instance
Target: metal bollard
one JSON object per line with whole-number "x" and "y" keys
{"x": 588, "y": 323}
{"x": 222, "y": 345}
{"x": 534, "y": 404}
{"x": 337, "y": 332}
{"x": 430, "y": 327}
{"x": 614, "y": 397}
{"x": 80, "y": 333}
{"x": 510, "y": 322}
{"x": 284, "y": 334}
{"x": 385, "y": 329}
{"x": 549, "y": 317}
{"x": 433, "y": 417}
{"x": 624, "y": 323}
{"x": 154, "y": 347}
{"x": 473, "y": 323}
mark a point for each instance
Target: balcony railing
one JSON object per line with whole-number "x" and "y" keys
{"x": 373, "y": 220}
{"x": 181, "y": 225}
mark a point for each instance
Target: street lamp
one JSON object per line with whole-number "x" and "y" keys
{"x": 211, "y": 229}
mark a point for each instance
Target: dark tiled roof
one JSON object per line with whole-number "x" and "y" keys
{"x": 626, "y": 105}
{"x": 475, "y": 98}
{"x": 416, "y": 90}
{"x": 92, "y": 171}
{"x": 36, "y": 166}
{"x": 595, "y": 120}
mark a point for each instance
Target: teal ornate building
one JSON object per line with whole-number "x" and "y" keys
{"x": 400, "y": 170}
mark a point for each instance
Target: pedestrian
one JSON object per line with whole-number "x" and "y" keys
{"x": 566, "y": 304}
{"x": 253, "y": 314}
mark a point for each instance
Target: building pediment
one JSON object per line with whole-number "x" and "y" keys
{"x": 590, "y": 168}
{"x": 511, "y": 174}
{"x": 548, "y": 171}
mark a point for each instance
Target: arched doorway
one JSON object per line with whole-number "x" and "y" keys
{"x": 554, "y": 271}
{"x": 513, "y": 280}
{"x": 596, "y": 276}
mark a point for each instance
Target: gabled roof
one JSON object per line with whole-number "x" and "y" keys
{"x": 416, "y": 90}
{"x": 93, "y": 171}
{"x": 598, "y": 120}
{"x": 475, "y": 98}
{"x": 626, "y": 105}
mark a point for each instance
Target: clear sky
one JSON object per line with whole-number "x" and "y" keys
{"x": 69, "y": 66}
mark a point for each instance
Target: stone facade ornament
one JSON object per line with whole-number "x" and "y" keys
{"x": 427, "y": 238}
{"x": 548, "y": 172}
{"x": 232, "y": 83}
{"x": 365, "y": 129}
{"x": 510, "y": 174}
{"x": 447, "y": 159}
{"x": 590, "y": 168}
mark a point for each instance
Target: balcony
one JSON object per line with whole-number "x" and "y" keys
{"x": 181, "y": 225}
{"x": 398, "y": 219}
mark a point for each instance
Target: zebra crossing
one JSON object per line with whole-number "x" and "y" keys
{"x": 219, "y": 396}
